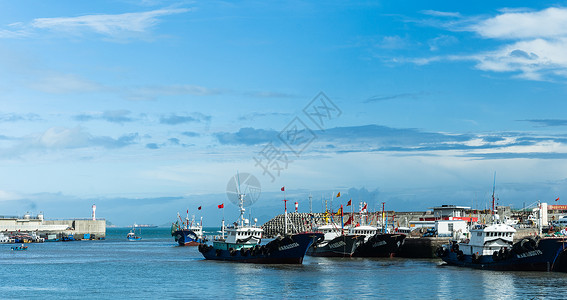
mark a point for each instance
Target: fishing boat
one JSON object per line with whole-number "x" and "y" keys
{"x": 131, "y": 236}
{"x": 492, "y": 247}
{"x": 377, "y": 242}
{"x": 188, "y": 233}
{"x": 243, "y": 244}
{"x": 335, "y": 242}
{"x": 19, "y": 248}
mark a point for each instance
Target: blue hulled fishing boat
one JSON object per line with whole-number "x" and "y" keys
{"x": 243, "y": 244}
{"x": 188, "y": 233}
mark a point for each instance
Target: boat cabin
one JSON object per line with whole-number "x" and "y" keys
{"x": 330, "y": 231}
{"x": 485, "y": 241}
{"x": 240, "y": 237}
{"x": 367, "y": 231}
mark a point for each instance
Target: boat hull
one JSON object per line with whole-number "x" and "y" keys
{"x": 288, "y": 250}
{"x": 547, "y": 254}
{"x": 381, "y": 245}
{"x": 341, "y": 246}
{"x": 186, "y": 237}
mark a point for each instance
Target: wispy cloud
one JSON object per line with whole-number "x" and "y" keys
{"x": 62, "y": 138}
{"x": 113, "y": 116}
{"x": 378, "y": 98}
{"x": 247, "y": 136}
{"x": 436, "y": 13}
{"x": 12, "y": 117}
{"x": 117, "y": 25}
{"x": 533, "y": 42}
{"x": 153, "y": 92}
{"x": 66, "y": 84}
{"x": 376, "y": 138}
{"x": 548, "y": 122}
{"x": 254, "y": 116}
{"x": 174, "y": 119}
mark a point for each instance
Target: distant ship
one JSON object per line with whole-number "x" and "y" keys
{"x": 145, "y": 226}
{"x": 243, "y": 244}
{"x": 188, "y": 233}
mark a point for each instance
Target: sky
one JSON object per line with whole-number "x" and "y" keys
{"x": 150, "y": 108}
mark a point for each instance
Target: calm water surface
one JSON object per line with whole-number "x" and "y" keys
{"x": 156, "y": 268}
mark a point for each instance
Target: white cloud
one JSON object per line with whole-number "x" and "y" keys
{"x": 106, "y": 24}
{"x": 536, "y": 59}
{"x": 65, "y": 83}
{"x": 441, "y": 13}
{"x": 532, "y": 45}
{"x": 548, "y": 23}
{"x": 57, "y": 137}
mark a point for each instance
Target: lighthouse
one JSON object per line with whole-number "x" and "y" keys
{"x": 94, "y": 212}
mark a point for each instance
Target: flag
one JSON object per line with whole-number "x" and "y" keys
{"x": 364, "y": 208}
{"x": 187, "y": 211}
{"x": 283, "y": 188}
{"x": 557, "y": 199}
{"x": 349, "y": 202}
{"x": 339, "y": 194}
{"x": 199, "y": 208}
{"x": 221, "y": 205}
{"x": 349, "y": 221}
{"x": 340, "y": 211}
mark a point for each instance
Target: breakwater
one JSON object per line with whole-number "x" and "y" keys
{"x": 28, "y": 229}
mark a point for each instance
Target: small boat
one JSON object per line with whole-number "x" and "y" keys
{"x": 131, "y": 236}
{"x": 243, "y": 244}
{"x": 19, "y": 248}
{"x": 188, "y": 233}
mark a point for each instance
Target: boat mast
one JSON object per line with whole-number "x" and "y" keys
{"x": 285, "y": 210}
{"x": 493, "y": 188}
{"x": 383, "y": 230}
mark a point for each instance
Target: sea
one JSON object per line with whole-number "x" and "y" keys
{"x": 156, "y": 268}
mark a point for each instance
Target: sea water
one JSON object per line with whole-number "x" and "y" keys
{"x": 156, "y": 268}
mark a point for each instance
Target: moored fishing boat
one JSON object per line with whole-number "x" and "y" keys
{"x": 492, "y": 248}
{"x": 377, "y": 242}
{"x": 243, "y": 244}
{"x": 335, "y": 242}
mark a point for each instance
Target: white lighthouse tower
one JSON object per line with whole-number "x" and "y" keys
{"x": 94, "y": 212}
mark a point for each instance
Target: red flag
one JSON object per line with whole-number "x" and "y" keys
{"x": 187, "y": 211}
{"x": 283, "y": 188}
{"x": 349, "y": 221}
{"x": 349, "y": 202}
{"x": 339, "y": 194}
{"x": 364, "y": 208}
{"x": 221, "y": 205}
{"x": 199, "y": 208}
{"x": 557, "y": 199}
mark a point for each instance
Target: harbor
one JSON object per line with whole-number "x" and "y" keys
{"x": 151, "y": 262}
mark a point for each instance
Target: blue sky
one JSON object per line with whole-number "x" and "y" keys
{"x": 147, "y": 108}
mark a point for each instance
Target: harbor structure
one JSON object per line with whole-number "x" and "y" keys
{"x": 52, "y": 230}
